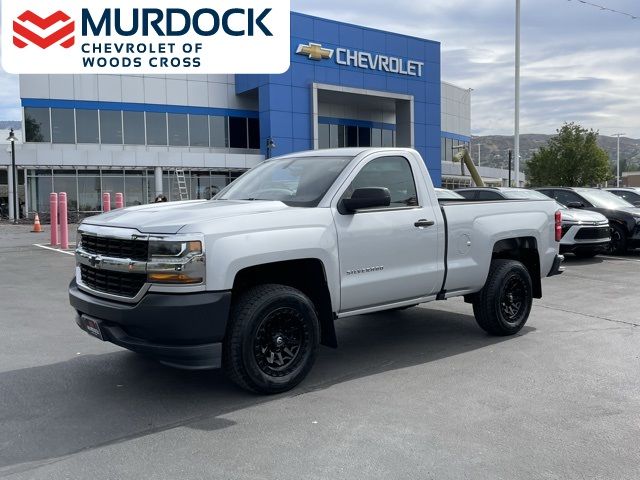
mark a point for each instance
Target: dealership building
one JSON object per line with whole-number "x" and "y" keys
{"x": 347, "y": 86}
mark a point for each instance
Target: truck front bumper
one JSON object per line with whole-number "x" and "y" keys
{"x": 184, "y": 331}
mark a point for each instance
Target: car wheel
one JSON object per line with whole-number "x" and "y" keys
{"x": 272, "y": 339}
{"x": 503, "y": 305}
{"x": 618, "y": 244}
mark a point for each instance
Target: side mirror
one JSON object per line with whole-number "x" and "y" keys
{"x": 366, "y": 198}
{"x": 636, "y": 204}
{"x": 575, "y": 205}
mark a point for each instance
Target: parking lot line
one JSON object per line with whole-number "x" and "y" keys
{"x": 53, "y": 249}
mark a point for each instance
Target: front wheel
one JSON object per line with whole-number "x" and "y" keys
{"x": 503, "y": 305}
{"x": 618, "y": 245}
{"x": 272, "y": 339}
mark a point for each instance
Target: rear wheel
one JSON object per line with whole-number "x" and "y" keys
{"x": 272, "y": 339}
{"x": 618, "y": 244}
{"x": 502, "y": 307}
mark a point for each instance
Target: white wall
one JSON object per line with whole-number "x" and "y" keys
{"x": 456, "y": 109}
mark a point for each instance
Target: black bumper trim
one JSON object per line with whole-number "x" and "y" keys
{"x": 183, "y": 330}
{"x": 557, "y": 268}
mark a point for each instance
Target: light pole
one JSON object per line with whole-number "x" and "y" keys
{"x": 517, "y": 100}
{"x": 618, "y": 159}
{"x": 16, "y": 212}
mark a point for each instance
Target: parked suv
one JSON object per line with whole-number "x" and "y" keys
{"x": 584, "y": 233}
{"x": 624, "y": 218}
{"x": 630, "y": 194}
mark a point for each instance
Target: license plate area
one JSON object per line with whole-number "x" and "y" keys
{"x": 92, "y": 327}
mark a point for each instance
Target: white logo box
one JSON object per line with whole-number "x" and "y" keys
{"x": 40, "y": 36}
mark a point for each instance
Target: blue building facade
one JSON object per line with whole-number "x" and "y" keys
{"x": 365, "y": 66}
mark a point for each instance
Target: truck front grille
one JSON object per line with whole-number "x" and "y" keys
{"x": 114, "y": 283}
{"x": 116, "y": 248}
{"x": 598, "y": 233}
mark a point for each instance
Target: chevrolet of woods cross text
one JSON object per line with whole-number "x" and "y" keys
{"x": 145, "y": 36}
{"x": 254, "y": 279}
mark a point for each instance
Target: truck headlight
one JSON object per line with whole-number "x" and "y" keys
{"x": 176, "y": 262}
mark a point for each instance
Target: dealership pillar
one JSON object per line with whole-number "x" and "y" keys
{"x": 158, "y": 180}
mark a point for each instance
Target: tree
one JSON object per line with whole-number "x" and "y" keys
{"x": 572, "y": 158}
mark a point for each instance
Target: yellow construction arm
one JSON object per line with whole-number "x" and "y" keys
{"x": 463, "y": 156}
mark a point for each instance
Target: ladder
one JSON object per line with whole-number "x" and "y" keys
{"x": 183, "y": 191}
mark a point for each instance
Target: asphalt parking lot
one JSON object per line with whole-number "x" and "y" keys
{"x": 419, "y": 394}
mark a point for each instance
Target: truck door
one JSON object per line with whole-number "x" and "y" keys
{"x": 388, "y": 254}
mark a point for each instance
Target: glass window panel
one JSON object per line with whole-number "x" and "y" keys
{"x": 393, "y": 173}
{"x": 334, "y": 136}
{"x": 376, "y": 137}
{"x": 111, "y": 127}
{"x": 199, "y": 130}
{"x": 218, "y": 182}
{"x": 134, "y": 189}
{"x": 113, "y": 184}
{"x": 364, "y": 137}
{"x": 133, "y": 128}
{"x": 342, "y": 136}
{"x": 387, "y": 138}
{"x": 237, "y": 132}
{"x": 448, "y": 151}
{"x": 254, "y": 133}
{"x": 87, "y": 126}
{"x": 178, "y": 130}
{"x": 443, "y": 147}
{"x": 324, "y": 139}
{"x": 68, "y": 185}
{"x": 352, "y": 136}
{"x": 63, "y": 128}
{"x": 89, "y": 193}
{"x": 39, "y": 189}
{"x": 219, "y": 132}
{"x": 37, "y": 125}
{"x": 156, "y": 128}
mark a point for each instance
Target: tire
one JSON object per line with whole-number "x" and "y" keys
{"x": 618, "y": 245}
{"x": 586, "y": 253}
{"x": 272, "y": 339}
{"x": 503, "y": 305}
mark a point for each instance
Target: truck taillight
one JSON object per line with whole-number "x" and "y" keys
{"x": 558, "y": 226}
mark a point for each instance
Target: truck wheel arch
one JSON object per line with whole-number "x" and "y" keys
{"x": 525, "y": 251}
{"x": 307, "y": 275}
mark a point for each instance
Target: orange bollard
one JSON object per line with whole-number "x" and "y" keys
{"x": 64, "y": 225}
{"x": 119, "y": 200}
{"x": 53, "y": 208}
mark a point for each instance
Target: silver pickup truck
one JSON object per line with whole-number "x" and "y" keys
{"x": 254, "y": 279}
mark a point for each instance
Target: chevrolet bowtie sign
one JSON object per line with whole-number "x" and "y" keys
{"x": 364, "y": 60}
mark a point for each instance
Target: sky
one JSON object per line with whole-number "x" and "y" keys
{"x": 579, "y": 63}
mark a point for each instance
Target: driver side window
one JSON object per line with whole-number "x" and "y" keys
{"x": 393, "y": 173}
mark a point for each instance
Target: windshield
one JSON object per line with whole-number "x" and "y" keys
{"x": 602, "y": 199}
{"x": 443, "y": 194}
{"x": 523, "y": 194}
{"x": 297, "y": 182}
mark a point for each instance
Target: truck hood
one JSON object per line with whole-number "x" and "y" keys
{"x": 171, "y": 217}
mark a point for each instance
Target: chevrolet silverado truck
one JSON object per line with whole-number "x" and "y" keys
{"x": 253, "y": 280}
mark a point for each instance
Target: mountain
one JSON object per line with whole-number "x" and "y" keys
{"x": 9, "y": 124}
{"x": 494, "y": 149}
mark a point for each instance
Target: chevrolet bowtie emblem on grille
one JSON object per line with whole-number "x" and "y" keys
{"x": 314, "y": 51}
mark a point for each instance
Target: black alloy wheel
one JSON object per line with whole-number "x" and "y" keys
{"x": 272, "y": 338}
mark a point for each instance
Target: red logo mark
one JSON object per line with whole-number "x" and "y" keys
{"x": 23, "y": 35}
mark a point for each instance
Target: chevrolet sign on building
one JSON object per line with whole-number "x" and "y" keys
{"x": 365, "y": 60}
{"x": 346, "y": 86}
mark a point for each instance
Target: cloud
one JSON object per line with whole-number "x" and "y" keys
{"x": 578, "y": 63}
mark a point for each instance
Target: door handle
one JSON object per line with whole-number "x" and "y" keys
{"x": 423, "y": 223}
